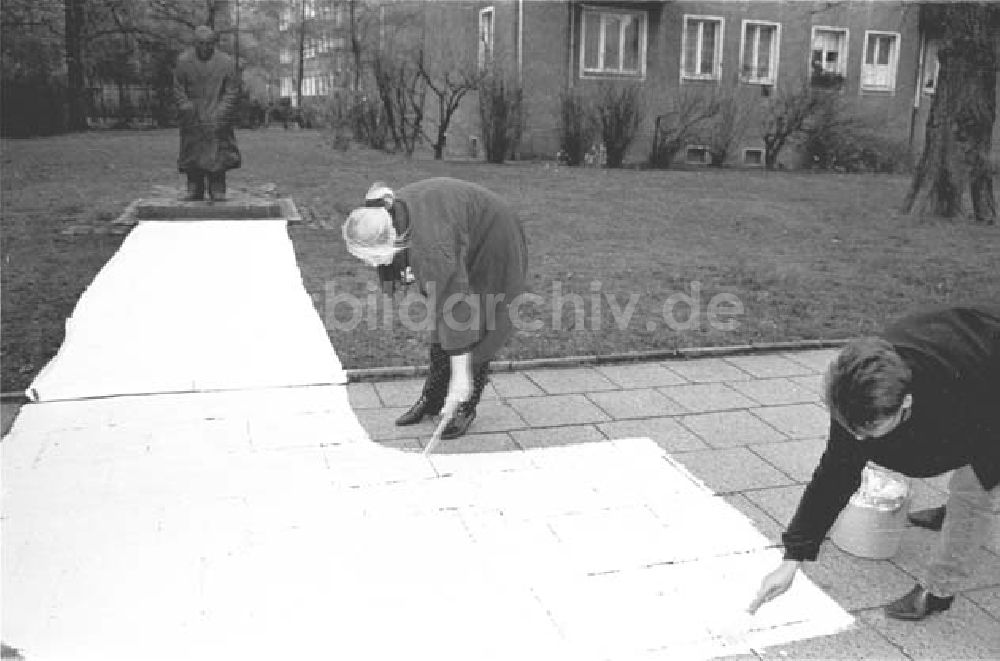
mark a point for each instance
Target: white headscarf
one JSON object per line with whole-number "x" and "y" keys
{"x": 369, "y": 233}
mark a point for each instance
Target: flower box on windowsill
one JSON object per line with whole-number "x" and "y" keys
{"x": 827, "y": 80}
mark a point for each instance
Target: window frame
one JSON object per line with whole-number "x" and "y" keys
{"x": 716, "y": 74}
{"x": 772, "y": 77}
{"x": 642, "y": 16}
{"x": 758, "y": 150}
{"x": 893, "y": 64}
{"x": 483, "y": 58}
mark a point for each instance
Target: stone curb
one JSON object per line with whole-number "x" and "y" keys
{"x": 499, "y": 366}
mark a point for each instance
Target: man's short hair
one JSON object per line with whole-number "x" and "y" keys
{"x": 866, "y": 382}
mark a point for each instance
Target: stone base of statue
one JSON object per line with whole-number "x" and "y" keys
{"x": 168, "y": 204}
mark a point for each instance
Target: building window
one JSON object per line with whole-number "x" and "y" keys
{"x": 697, "y": 155}
{"x": 701, "y": 48}
{"x": 485, "y": 37}
{"x": 932, "y": 68}
{"x": 338, "y": 15}
{"x": 828, "y": 60}
{"x": 878, "y": 71}
{"x": 309, "y": 48}
{"x": 284, "y": 18}
{"x": 613, "y": 44}
{"x": 285, "y": 56}
{"x": 754, "y": 157}
{"x": 287, "y": 89}
{"x": 759, "y": 59}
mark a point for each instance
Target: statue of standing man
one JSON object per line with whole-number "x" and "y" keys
{"x": 206, "y": 88}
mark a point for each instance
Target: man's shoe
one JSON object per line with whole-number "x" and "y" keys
{"x": 917, "y": 604}
{"x": 460, "y": 422}
{"x": 932, "y": 518}
{"x": 422, "y": 407}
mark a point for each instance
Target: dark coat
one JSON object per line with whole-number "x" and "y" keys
{"x": 206, "y": 95}
{"x": 466, "y": 248}
{"x": 954, "y": 355}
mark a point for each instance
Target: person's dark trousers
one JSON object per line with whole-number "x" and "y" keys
{"x": 217, "y": 186}
{"x": 195, "y": 185}
{"x": 466, "y": 412}
{"x": 435, "y": 389}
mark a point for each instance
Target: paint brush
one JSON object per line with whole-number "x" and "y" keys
{"x": 438, "y": 431}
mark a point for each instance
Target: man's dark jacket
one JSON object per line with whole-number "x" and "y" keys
{"x": 954, "y": 354}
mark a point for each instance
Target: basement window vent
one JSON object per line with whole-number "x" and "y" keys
{"x": 696, "y": 155}
{"x": 753, "y": 157}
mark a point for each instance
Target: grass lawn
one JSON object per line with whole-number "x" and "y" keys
{"x": 808, "y": 256}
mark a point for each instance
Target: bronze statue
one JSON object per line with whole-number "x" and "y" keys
{"x": 206, "y": 87}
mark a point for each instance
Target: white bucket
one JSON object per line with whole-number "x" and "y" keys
{"x": 869, "y": 532}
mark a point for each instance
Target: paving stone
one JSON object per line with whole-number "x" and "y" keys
{"x": 732, "y": 469}
{"x": 562, "y": 381}
{"x": 497, "y": 446}
{"x": 621, "y": 404}
{"x": 797, "y": 420}
{"x": 546, "y": 437}
{"x": 859, "y": 643}
{"x": 381, "y": 424}
{"x": 641, "y": 375}
{"x": 769, "y": 365}
{"x": 494, "y": 415}
{"x": 514, "y": 384}
{"x": 666, "y": 432}
{"x": 988, "y": 599}
{"x": 857, "y": 583}
{"x": 363, "y": 396}
{"x": 813, "y": 384}
{"x": 554, "y": 410}
{"x": 918, "y": 548}
{"x": 730, "y": 428}
{"x": 779, "y": 502}
{"x": 705, "y": 397}
{"x": 924, "y": 496}
{"x": 707, "y": 370}
{"x": 761, "y": 519}
{"x": 399, "y": 393}
{"x": 402, "y": 444}
{"x": 797, "y": 459}
{"x": 962, "y": 632}
{"x": 772, "y": 392}
{"x": 817, "y": 360}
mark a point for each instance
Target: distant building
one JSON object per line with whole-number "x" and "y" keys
{"x": 874, "y": 54}
{"x": 319, "y": 29}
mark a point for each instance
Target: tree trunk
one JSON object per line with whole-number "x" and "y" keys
{"x": 76, "y": 86}
{"x": 302, "y": 54}
{"x": 355, "y": 45}
{"x": 958, "y": 137}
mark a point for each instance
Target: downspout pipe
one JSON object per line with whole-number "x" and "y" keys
{"x": 520, "y": 43}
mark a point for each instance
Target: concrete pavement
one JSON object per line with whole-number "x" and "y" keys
{"x": 271, "y": 514}
{"x": 752, "y": 427}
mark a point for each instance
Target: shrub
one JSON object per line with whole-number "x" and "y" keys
{"x": 501, "y": 114}
{"x": 618, "y": 110}
{"x": 689, "y": 111}
{"x": 576, "y": 131}
{"x": 850, "y": 146}
{"x": 726, "y": 128}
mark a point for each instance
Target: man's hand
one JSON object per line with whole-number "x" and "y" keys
{"x": 775, "y": 584}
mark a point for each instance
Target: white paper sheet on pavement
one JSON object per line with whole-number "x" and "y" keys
{"x": 264, "y": 524}
{"x": 188, "y": 306}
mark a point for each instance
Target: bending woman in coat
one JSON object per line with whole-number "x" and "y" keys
{"x": 464, "y": 247}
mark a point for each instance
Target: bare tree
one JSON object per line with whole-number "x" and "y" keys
{"x": 449, "y": 84}
{"x": 76, "y": 84}
{"x": 728, "y": 126}
{"x": 690, "y": 110}
{"x": 402, "y": 90}
{"x": 960, "y": 125}
{"x": 786, "y": 116}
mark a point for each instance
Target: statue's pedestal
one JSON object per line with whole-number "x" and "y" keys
{"x": 238, "y": 207}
